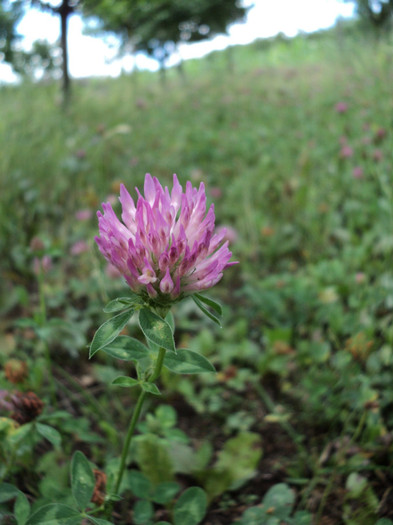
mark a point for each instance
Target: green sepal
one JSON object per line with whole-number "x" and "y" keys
{"x": 126, "y": 348}
{"x": 125, "y": 381}
{"x": 210, "y": 302}
{"x": 151, "y": 388}
{"x": 122, "y": 303}
{"x": 82, "y": 480}
{"x": 156, "y": 329}
{"x": 187, "y": 362}
{"x": 201, "y": 301}
{"x": 109, "y": 330}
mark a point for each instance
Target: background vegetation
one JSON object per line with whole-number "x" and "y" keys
{"x": 293, "y": 139}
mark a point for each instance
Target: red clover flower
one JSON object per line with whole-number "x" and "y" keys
{"x": 166, "y": 245}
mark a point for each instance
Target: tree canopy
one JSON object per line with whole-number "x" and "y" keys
{"x": 377, "y": 13}
{"x": 10, "y": 14}
{"x": 157, "y": 27}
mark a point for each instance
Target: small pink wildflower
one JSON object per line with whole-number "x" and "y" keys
{"x": 357, "y": 172}
{"x": 166, "y": 246}
{"x": 360, "y": 277}
{"x": 346, "y": 152}
{"x": 230, "y": 234}
{"x": 112, "y": 199}
{"x": 80, "y": 154}
{"x": 380, "y": 135}
{"x": 79, "y": 247}
{"x": 43, "y": 264}
{"x": 216, "y": 192}
{"x": 37, "y": 244}
{"x": 341, "y": 107}
{"x": 83, "y": 215}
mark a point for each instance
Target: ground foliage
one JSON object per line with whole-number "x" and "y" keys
{"x": 294, "y": 142}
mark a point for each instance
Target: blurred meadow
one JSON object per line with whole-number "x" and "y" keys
{"x": 293, "y": 139}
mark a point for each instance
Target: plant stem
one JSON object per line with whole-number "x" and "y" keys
{"x": 135, "y": 416}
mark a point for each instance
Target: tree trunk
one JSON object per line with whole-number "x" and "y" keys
{"x": 65, "y": 10}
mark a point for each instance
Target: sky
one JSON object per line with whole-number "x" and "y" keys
{"x": 89, "y": 56}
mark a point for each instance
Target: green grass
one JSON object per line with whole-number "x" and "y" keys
{"x": 306, "y": 351}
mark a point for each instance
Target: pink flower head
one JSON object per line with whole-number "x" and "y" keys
{"x": 43, "y": 264}
{"x": 341, "y": 107}
{"x": 357, "y": 172}
{"x": 216, "y": 192}
{"x": 377, "y": 155}
{"x": 166, "y": 245}
{"x": 230, "y": 234}
{"x": 83, "y": 215}
{"x": 79, "y": 247}
{"x": 346, "y": 152}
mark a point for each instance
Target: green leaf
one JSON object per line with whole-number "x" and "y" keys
{"x": 302, "y": 517}
{"x": 82, "y": 480}
{"x": 139, "y": 484}
{"x": 126, "y": 348}
{"x": 252, "y": 516}
{"x": 166, "y": 415}
{"x": 211, "y": 315}
{"x": 108, "y": 331}
{"x": 121, "y": 303}
{"x": 165, "y": 492}
{"x": 125, "y": 381}
{"x": 7, "y": 492}
{"x": 280, "y": 497}
{"x": 143, "y": 512}
{"x": 21, "y": 509}
{"x": 227, "y": 474}
{"x": 99, "y": 521}
{"x": 53, "y": 514}
{"x": 153, "y": 459}
{"x": 49, "y": 433}
{"x": 151, "y": 388}
{"x": 191, "y": 507}
{"x": 210, "y": 302}
{"x": 21, "y": 433}
{"x": 187, "y": 362}
{"x": 156, "y": 329}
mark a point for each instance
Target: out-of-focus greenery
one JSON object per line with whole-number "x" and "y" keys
{"x": 293, "y": 139}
